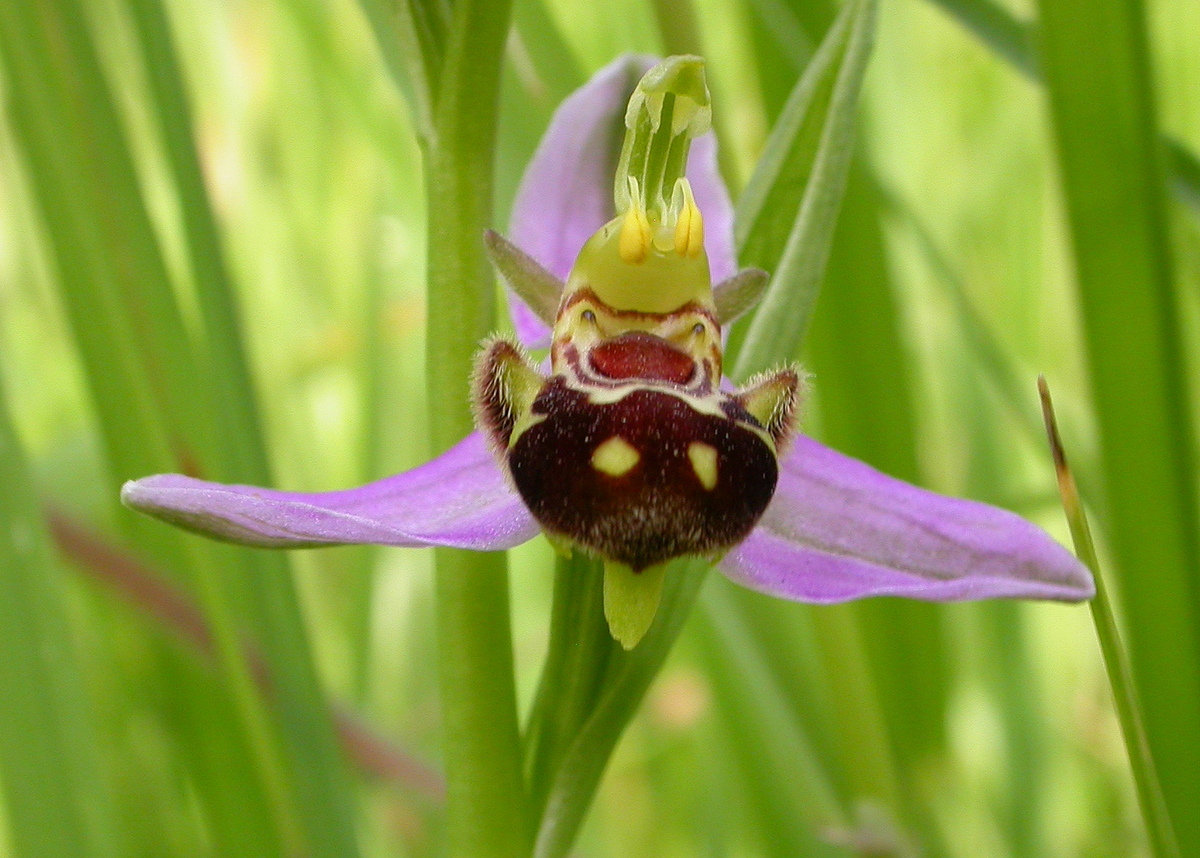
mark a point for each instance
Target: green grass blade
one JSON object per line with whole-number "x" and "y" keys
{"x": 540, "y": 72}
{"x": 1103, "y": 114}
{"x": 997, "y": 364}
{"x": 152, "y": 399}
{"x": 797, "y": 801}
{"x": 240, "y": 459}
{"x": 865, "y": 752}
{"x": 78, "y": 167}
{"x": 1008, "y": 667}
{"x": 1015, "y": 41}
{"x": 1116, "y": 660}
{"x": 856, "y": 345}
{"x": 322, "y": 790}
{"x": 55, "y": 794}
{"x": 556, "y": 70}
{"x": 411, "y": 51}
{"x": 861, "y": 363}
{"x": 860, "y": 360}
{"x": 52, "y": 108}
{"x": 783, "y": 46}
{"x": 1001, "y": 370}
{"x": 786, "y": 216}
{"x": 146, "y": 590}
{"x": 1184, "y": 168}
{"x": 772, "y": 199}
{"x": 1006, "y": 34}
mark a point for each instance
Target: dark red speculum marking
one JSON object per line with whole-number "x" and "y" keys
{"x": 641, "y": 355}
{"x": 658, "y": 509}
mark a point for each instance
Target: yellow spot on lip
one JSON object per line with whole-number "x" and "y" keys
{"x": 704, "y": 463}
{"x": 616, "y": 457}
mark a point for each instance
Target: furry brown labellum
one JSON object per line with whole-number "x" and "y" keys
{"x": 630, "y": 450}
{"x": 636, "y": 468}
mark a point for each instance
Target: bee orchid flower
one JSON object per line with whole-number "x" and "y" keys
{"x": 633, "y": 447}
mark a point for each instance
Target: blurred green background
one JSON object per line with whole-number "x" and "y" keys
{"x": 957, "y": 730}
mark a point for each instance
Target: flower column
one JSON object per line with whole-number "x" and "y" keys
{"x": 481, "y": 740}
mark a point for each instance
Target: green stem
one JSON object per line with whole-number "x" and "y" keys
{"x": 486, "y": 805}
{"x": 580, "y": 650}
{"x": 627, "y": 676}
{"x": 485, "y": 798}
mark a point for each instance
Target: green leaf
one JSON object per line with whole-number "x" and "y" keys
{"x": 153, "y": 400}
{"x": 796, "y": 802}
{"x": 1010, "y": 37}
{"x": 54, "y": 792}
{"x": 239, "y": 455}
{"x": 1016, "y": 42}
{"x": 411, "y": 35}
{"x": 1116, "y": 660}
{"x": 572, "y": 677}
{"x": 1111, "y": 163}
{"x": 786, "y": 215}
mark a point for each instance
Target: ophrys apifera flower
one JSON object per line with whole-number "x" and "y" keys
{"x": 632, "y": 446}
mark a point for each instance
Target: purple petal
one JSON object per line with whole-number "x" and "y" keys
{"x": 838, "y": 530}
{"x": 460, "y": 499}
{"x": 566, "y": 192}
{"x": 712, "y": 198}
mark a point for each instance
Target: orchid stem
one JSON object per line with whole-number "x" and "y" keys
{"x": 581, "y": 648}
{"x": 486, "y": 790}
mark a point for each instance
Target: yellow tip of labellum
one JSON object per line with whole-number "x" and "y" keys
{"x": 631, "y": 600}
